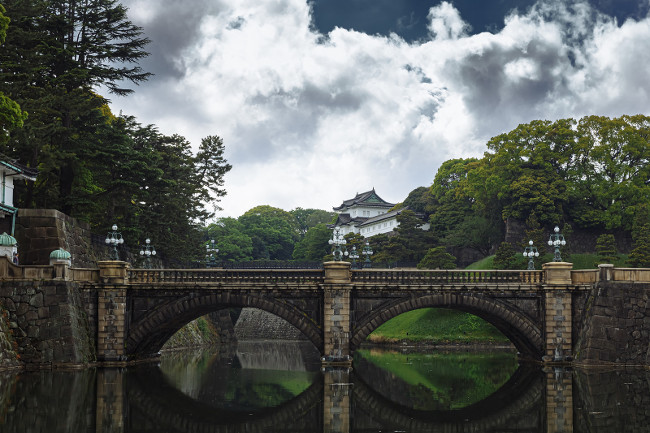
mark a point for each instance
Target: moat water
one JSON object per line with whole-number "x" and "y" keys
{"x": 280, "y": 387}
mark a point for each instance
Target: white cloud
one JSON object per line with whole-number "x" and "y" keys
{"x": 445, "y": 22}
{"x": 309, "y": 120}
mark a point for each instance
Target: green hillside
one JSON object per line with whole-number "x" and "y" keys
{"x": 437, "y": 325}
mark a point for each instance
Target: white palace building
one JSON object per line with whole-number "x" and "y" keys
{"x": 366, "y": 214}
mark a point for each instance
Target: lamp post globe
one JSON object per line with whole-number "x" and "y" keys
{"x": 556, "y": 240}
{"x": 114, "y": 238}
{"x": 147, "y": 251}
{"x": 338, "y": 242}
{"x": 531, "y": 252}
{"x": 367, "y": 252}
{"x": 210, "y": 254}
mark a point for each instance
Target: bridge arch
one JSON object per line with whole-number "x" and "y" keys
{"x": 516, "y": 325}
{"x": 147, "y": 335}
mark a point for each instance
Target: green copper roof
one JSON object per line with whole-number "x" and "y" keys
{"x": 60, "y": 254}
{"x": 7, "y": 240}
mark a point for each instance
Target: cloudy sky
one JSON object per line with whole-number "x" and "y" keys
{"x": 318, "y": 100}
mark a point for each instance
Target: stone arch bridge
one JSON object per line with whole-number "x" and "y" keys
{"x": 132, "y": 312}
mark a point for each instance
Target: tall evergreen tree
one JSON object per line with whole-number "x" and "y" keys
{"x": 56, "y": 54}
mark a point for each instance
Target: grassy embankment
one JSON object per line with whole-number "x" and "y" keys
{"x": 440, "y": 326}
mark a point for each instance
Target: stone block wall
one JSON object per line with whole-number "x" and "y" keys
{"x": 8, "y": 356}
{"x": 256, "y": 324}
{"x": 616, "y": 325}
{"x": 48, "y": 321}
{"x": 41, "y": 231}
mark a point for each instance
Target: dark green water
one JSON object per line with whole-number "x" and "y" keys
{"x": 265, "y": 387}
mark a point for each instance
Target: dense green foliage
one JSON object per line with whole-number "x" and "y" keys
{"x": 269, "y": 233}
{"x": 590, "y": 174}
{"x": 314, "y": 246}
{"x": 11, "y": 116}
{"x": 93, "y": 165}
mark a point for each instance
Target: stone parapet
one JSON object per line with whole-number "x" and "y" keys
{"x": 337, "y": 272}
{"x": 113, "y": 272}
{"x": 557, "y": 273}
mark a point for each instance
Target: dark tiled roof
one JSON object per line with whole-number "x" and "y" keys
{"x": 368, "y": 198}
{"x": 345, "y": 218}
{"x": 382, "y": 217}
{"x": 13, "y": 165}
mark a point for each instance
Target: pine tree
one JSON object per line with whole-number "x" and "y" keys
{"x": 640, "y": 256}
{"x": 437, "y": 258}
{"x": 606, "y": 248}
{"x": 505, "y": 257}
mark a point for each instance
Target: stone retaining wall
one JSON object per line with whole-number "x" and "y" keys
{"x": 255, "y": 324}
{"x": 48, "y": 321}
{"x": 616, "y": 325}
{"x": 41, "y": 231}
{"x": 8, "y": 356}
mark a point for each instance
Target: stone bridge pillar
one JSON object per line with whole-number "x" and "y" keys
{"x": 558, "y": 313}
{"x": 336, "y": 311}
{"x": 111, "y": 312}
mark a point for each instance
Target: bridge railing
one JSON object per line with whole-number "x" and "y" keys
{"x": 423, "y": 277}
{"x": 288, "y": 276}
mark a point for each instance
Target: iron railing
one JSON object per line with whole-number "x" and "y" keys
{"x": 239, "y": 276}
{"x": 423, "y": 277}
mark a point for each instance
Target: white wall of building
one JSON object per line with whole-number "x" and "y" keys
{"x": 7, "y": 192}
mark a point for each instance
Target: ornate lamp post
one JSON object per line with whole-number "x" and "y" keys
{"x": 367, "y": 252}
{"x": 338, "y": 242}
{"x": 555, "y": 240}
{"x": 210, "y": 251}
{"x": 114, "y": 238}
{"x": 531, "y": 252}
{"x": 147, "y": 251}
{"x": 354, "y": 255}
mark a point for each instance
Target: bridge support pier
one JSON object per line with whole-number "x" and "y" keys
{"x": 558, "y": 312}
{"x": 336, "y": 308}
{"x": 111, "y": 312}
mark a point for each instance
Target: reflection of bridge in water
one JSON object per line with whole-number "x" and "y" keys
{"x": 141, "y": 399}
{"x": 338, "y": 401}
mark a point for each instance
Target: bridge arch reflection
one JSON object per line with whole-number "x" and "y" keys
{"x": 157, "y": 403}
{"x": 519, "y": 402}
{"x": 153, "y": 402}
